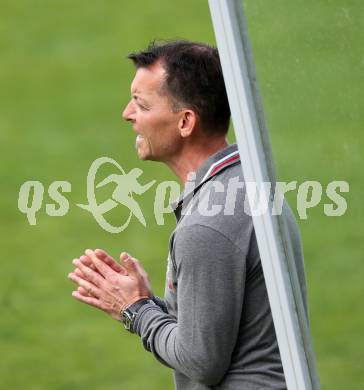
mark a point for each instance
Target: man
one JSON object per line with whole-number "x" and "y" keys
{"x": 214, "y": 326}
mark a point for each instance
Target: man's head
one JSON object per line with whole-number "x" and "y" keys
{"x": 183, "y": 91}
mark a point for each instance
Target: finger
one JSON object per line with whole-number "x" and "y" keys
{"x": 79, "y": 273}
{"x": 102, "y": 255}
{"x": 89, "y": 287}
{"x": 89, "y": 274}
{"x": 82, "y": 291}
{"x": 124, "y": 256}
{"x": 87, "y": 261}
{"x": 92, "y": 301}
{"x": 140, "y": 270}
{"x": 103, "y": 268}
{"x": 129, "y": 263}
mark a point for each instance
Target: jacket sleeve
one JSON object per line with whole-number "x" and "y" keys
{"x": 210, "y": 292}
{"x": 160, "y": 302}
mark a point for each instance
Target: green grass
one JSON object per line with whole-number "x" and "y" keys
{"x": 64, "y": 81}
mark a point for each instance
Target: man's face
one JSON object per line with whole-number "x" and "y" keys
{"x": 152, "y": 116}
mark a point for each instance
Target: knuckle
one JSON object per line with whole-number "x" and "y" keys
{"x": 84, "y": 271}
{"x": 88, "y": 287}
{"x": 78, "y": 272}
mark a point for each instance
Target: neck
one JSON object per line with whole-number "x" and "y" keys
{"x": 193, "y": 155}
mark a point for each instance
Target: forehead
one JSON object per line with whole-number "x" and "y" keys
{"x": 148, "y": 80}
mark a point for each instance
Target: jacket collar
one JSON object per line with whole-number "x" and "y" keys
{"x": 211, "y": 167}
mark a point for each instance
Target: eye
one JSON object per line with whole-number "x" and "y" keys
{"x": 143, "y": 108}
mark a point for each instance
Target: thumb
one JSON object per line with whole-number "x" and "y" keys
{"x": 128, "y": 263}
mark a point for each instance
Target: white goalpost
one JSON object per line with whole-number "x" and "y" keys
{"x": 280, "y": 274}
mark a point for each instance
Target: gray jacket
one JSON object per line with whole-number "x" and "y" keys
{"x": 215, "y": 327}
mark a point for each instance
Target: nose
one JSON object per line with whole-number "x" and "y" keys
{"x": 128, "y": 113}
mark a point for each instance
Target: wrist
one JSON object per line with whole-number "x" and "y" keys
{"x": 129, "y": 313}
{"x": 132, "y": 301}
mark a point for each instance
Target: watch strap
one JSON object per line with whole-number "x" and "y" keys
{"x": 129, "y": 314}
{"x": 134, "y": 308}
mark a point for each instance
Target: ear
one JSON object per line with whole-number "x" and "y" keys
{"x": 187, "y": 123}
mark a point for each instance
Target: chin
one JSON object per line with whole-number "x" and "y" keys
{"x": 143, "y": 154}
{"x": 143, "y": 157}
{"x": 148, "y": 157}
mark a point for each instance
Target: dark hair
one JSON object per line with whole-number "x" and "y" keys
{"x": 193, "y": 79}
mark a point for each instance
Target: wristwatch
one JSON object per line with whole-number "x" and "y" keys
{"x": 128, "y": 315}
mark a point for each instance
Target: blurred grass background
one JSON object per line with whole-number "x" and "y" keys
{"x": 63, "y": 84}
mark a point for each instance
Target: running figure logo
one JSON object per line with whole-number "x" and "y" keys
{"x": 126, "y": 185}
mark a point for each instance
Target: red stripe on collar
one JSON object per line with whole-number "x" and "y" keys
{"x": 221, "y": 164}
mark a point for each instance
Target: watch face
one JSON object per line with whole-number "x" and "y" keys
{"x": 127, "y": 319}
{"x": 129, "y": 314}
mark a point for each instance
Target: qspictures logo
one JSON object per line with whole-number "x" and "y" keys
{"x": 213, "y": 198}
{"x": 126, "y": 185}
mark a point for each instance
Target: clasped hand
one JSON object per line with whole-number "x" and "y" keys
{"x": 108, "y": 285}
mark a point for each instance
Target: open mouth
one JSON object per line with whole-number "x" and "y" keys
{"x": 138, "y": 140}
